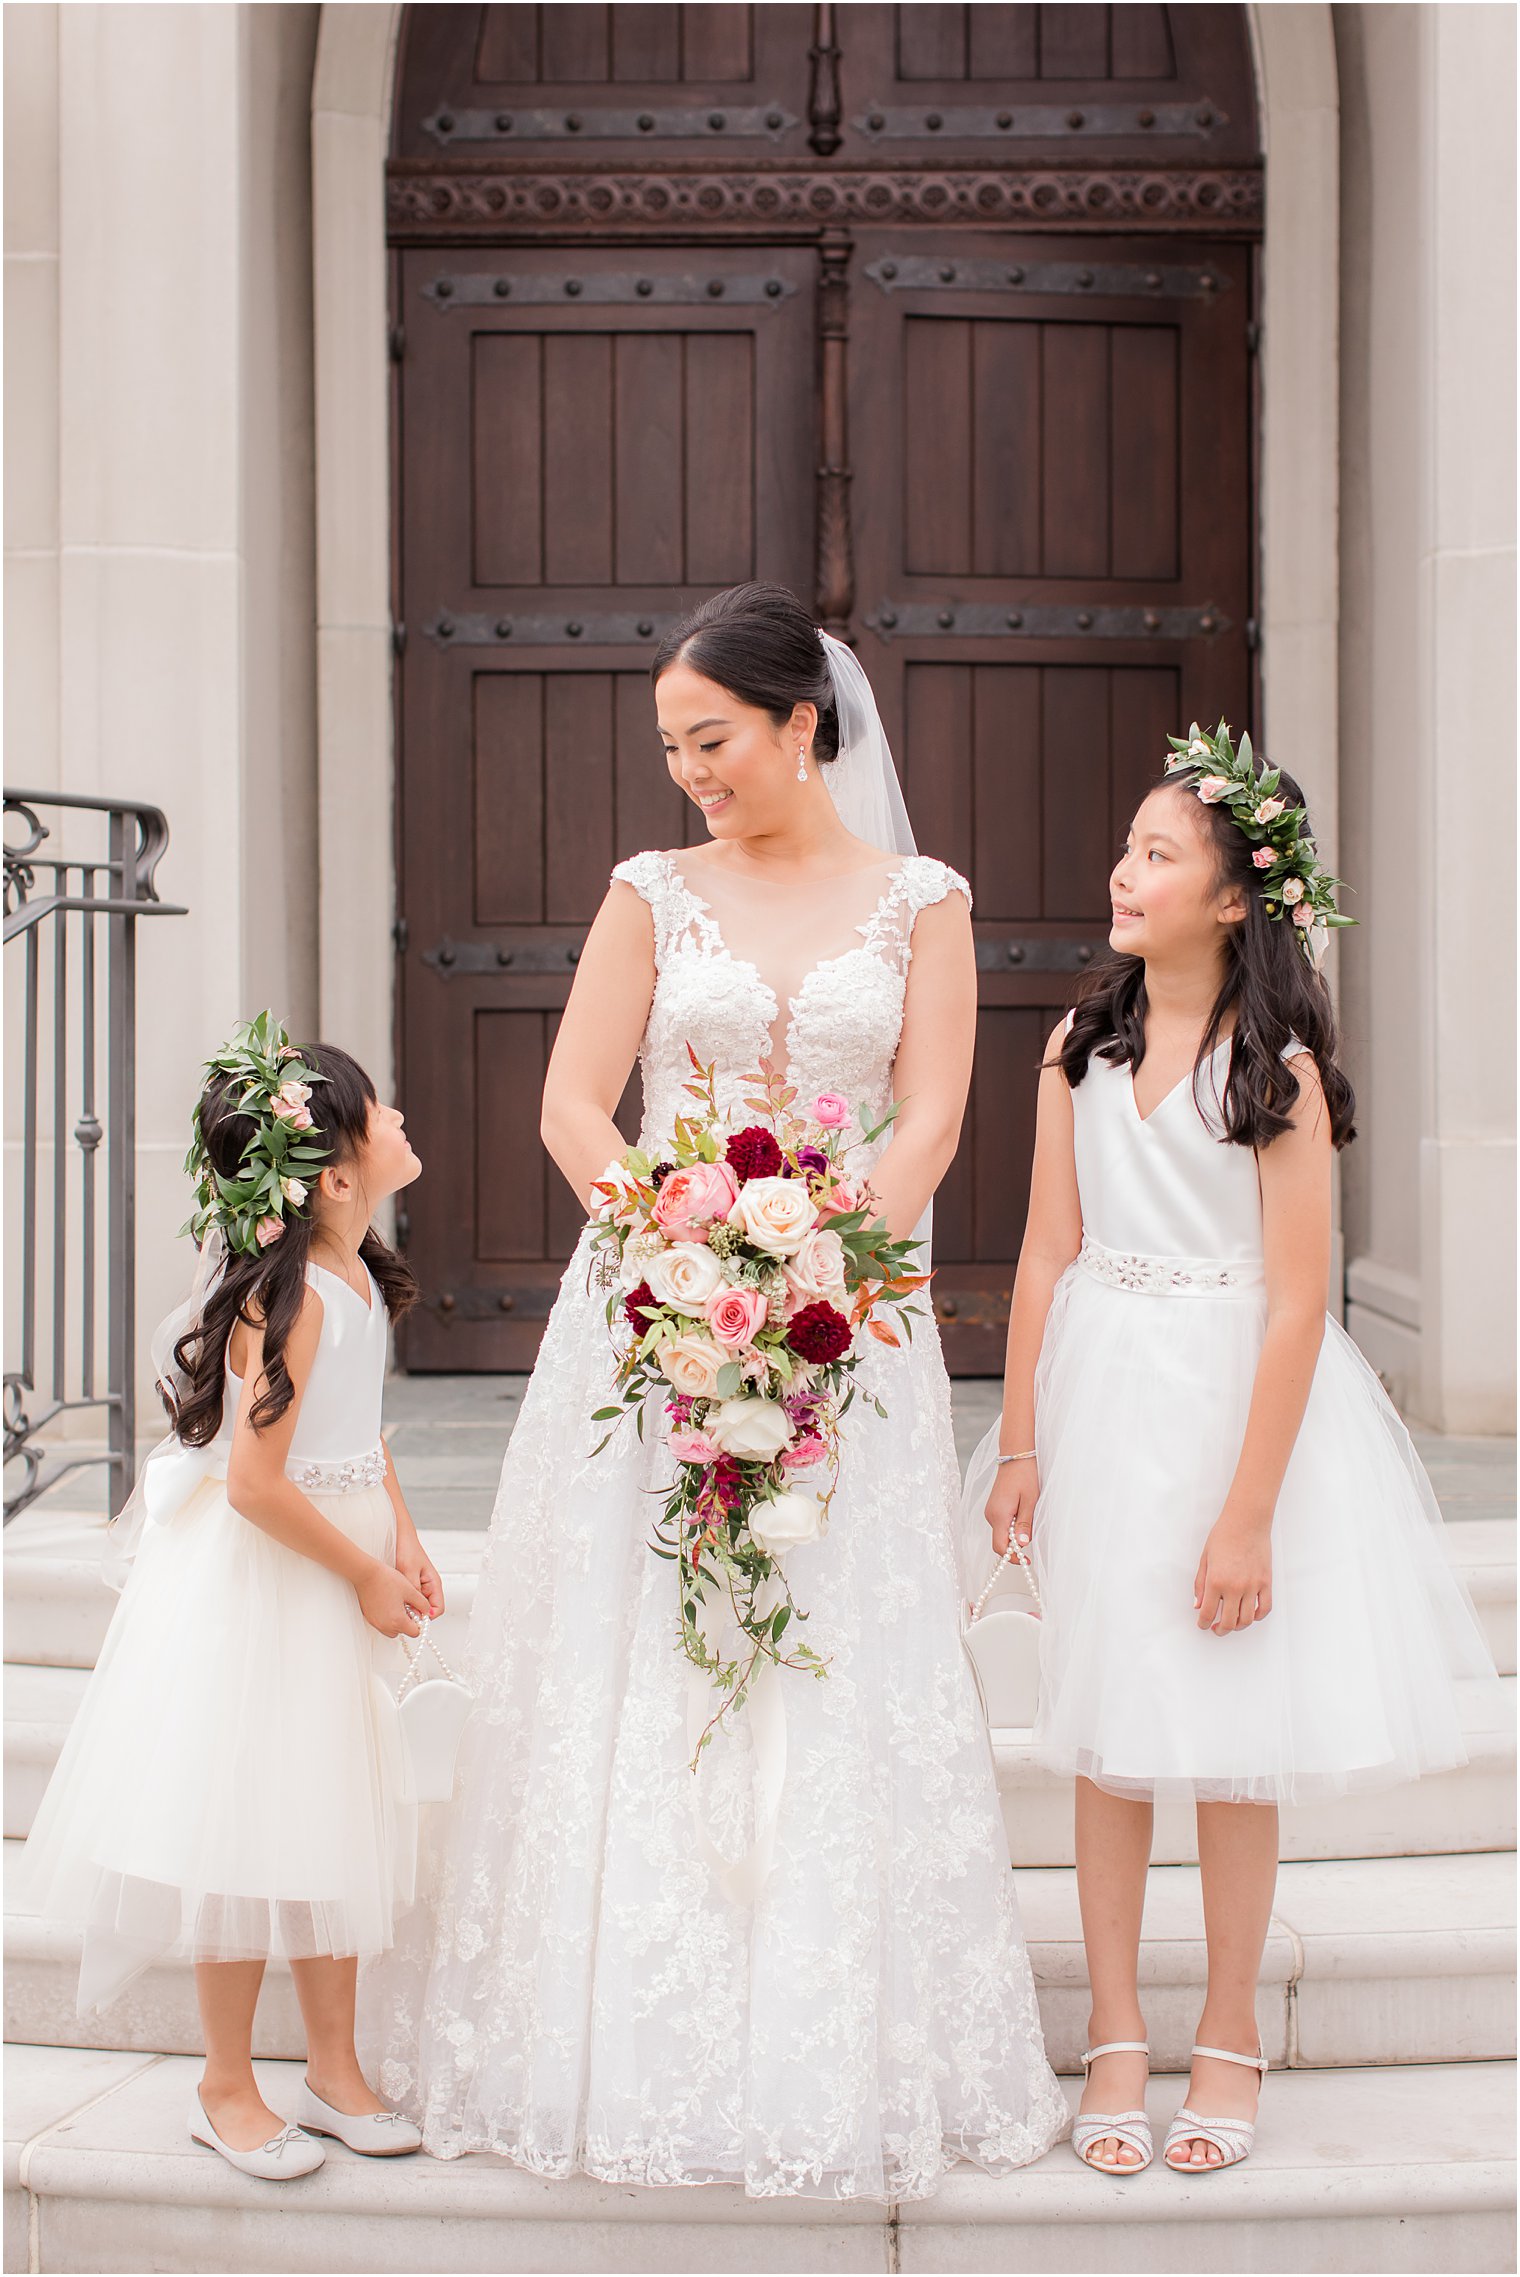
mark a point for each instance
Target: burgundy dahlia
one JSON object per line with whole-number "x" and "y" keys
{"x": 819, "y": 1333}
{"x": 640, "y": 1308}
{"x": 753, "y": 1153}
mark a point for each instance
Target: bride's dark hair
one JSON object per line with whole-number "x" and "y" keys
{"x": 1269, "y": 985}
{"x": 268, "y": 1290}
{"x": 762, "y": 645}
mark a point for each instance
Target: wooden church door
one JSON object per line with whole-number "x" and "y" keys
{"x": 940, "y": 315}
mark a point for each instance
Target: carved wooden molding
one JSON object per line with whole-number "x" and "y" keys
{"x": 426, "y": 202}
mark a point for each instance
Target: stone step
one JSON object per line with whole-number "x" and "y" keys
{"x": 57, "y": 1608}
{"x": 1388, "y": 2171}
{"x": 57, "y": 1605}
{"x": 1369, "y": 1961}
{"x": 1468, "y": 1809}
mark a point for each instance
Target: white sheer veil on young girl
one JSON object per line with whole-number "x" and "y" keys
{"x": 862, "y": 781}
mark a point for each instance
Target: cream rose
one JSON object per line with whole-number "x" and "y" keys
{"x": 817, "y": 1268}
{"x": 684, "y": 1276}
{"x": 755, "y": 1429}
{"x": 690, "y": 1364}
{"x": 775, "y": 1214}
{"x": 1269, "y": 810}
{"x": 293, "y": 1191}
{"x": 1213, "y": 788}
{"x": 1293, "y": 890}
{"x": 787, "y": 1521}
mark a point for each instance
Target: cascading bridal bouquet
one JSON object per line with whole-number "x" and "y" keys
{"x": 742, "y": 1274}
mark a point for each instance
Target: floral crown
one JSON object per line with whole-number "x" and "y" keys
{"x": 270, "y": 1083}
{"x": 1294, "y": 883}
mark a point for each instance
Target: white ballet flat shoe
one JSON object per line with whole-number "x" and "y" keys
{"x": 373, "y": 2134}
{"x": 1232, "y": 2138}
{"x": 1132, "y": 2128}
{"x": 282, "y": 2159}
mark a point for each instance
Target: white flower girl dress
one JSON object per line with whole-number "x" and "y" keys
{"x": 232, "y": 1786}
{"x": 1144, "y": 1383}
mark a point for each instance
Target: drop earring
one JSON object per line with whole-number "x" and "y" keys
{"x": 801, "y": 763}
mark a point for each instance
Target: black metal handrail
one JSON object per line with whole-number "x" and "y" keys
{"x": 81, "y": 895}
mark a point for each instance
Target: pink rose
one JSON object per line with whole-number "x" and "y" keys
{"x": 1269, "y": 810}
{"x": 1293, "y": 890}
{"x": 736, "y": 1316}
{"x": 690, "y": 1200}
{"x": 1213, "y": 788}
{"x": 831, "y": 1111}
{"x": 817, "y": 1269}
{"x": 692, "y": 1447}
{"x": 268, "y": 1230}
{"x": 1304, "y": 914}
{"x": 843, "y": 1196}
{"x": 1264, "y": 857}
{"x": 803, "y": 1453}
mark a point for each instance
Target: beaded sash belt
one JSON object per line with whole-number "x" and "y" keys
{"x": 339, "y": 1478}
{"x": 1166, "y": 1276}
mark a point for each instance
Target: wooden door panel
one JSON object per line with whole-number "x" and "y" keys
{"x": 567, "y": 469}
{"x": 1043, "y": 434}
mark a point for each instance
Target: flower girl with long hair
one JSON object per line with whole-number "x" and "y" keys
{"x": 231, "y": 1788}
{"x": 1244, "y": 1588}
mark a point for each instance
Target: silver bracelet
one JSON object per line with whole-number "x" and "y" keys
{"x": 1025, "y": 1455}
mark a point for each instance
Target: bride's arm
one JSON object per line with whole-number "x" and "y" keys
{"x": 933, "y": 1070}
{"x": 598, "y": 1039}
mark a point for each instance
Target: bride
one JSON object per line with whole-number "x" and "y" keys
{"x": 578, "y": 1989}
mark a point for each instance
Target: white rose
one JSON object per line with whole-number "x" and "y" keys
{"x": 774, "y": 1213}
{"x": 690, "y": 1365}
{"x": 755, "y": 1429}
{"x": 638, "y": 1249}
{"x": 293, "y": 1191}
{"x": 1293, "y": 890}
{"x": 817, "y": 1269}
{"x": 787, "y": 1521}
{"x": 684, "y": 1275}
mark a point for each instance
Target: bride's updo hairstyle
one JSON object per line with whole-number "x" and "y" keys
{"x": 762, "y": 645}
{"x": 268, "y": 1290}
{"x": 1269, "y": 984}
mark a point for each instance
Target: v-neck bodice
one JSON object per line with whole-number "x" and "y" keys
{"x": 1168, "y": 1184}
{"x": 821, "y": 985}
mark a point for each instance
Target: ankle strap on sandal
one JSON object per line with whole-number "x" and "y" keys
{"x": 1117, "y": 2048}
{"x": 1260, "y": 2063}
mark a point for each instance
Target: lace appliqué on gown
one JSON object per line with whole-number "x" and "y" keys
{"x": 575, "y": 1992}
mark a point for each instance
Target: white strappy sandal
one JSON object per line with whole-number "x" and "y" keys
{"x": 1232, "y": 2138}
{"x": 1132, "y": 2128}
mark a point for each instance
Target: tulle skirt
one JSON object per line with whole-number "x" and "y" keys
{"x": 1352, "y": 1679}
{"x": 232, "y": 1785}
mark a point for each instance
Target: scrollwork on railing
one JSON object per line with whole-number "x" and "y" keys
{"x": 81, "y": 925}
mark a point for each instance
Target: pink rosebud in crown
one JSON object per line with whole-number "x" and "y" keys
{"x": 268, "y": 1230}
{"x": 1213, "y": 788}
{"x": 1269, "y": 810}
{"x": 289, "y": 1105}
{"x": 1304, "y": 915}
{"x": 1264, "y": 857}
{"x": 1293, "y": 890}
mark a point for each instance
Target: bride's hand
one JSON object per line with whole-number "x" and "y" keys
{"x": 1010, "y": 1505}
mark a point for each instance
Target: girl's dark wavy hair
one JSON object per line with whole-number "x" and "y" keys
{"x": 268, "y": 1290}
{"x": 1269, "y": 986}
{"x": 762, "y": 645}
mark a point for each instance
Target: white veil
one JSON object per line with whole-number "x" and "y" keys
{"x": 867, "y": 796}
{"x": 862, "y": 781}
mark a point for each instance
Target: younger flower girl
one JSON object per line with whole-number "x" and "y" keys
{"x": 1238, "y": 1551}
{"x": 231, "y": 1787}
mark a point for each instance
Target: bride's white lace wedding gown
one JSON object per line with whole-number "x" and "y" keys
{"x": 574, "y": 1990}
